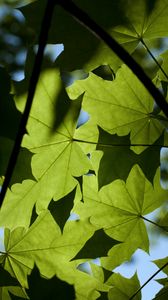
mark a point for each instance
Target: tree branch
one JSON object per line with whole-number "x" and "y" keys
{"x": 45, "y": 26}
{"x": 92, "y": 26}
{"x": 149, "y": 279}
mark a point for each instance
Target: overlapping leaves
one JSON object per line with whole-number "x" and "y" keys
{"x": 124, "y": 205}
{"x": 121, "y": 107}
{"x": 57, "y": 158}
{"x": 114, "y": 201}
{"x": 44, "y": 244}
{"x": 128, "y": 22}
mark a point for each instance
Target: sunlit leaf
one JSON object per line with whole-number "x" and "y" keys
{"x": 52, "y": 251}
{"x": 121, "y": 107}
{"x": 119, "y": 207}
{"x": 57, "y": 159}
{"x": 123, "y": 288}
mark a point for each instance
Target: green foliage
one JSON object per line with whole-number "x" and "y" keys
{"x": 106, "y": 171}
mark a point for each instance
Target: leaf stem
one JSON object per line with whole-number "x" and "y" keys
{"x": 154, "y": 223}
{"x": 153, "y": 57}
{"x": 98, "y": 31}
{"x": 158, "y": 271}
{"x": 45, "y": 26}
{"x": 149, "y": 279}
{"x": 117, "y": 145}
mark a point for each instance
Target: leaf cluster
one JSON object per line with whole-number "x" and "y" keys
{"x": 82, "y": 190}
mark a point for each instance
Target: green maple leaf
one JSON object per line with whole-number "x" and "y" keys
{"x": 123, "y": 288}
{"x": 99, "y": 272}
{"x": 163, "y": 222}
{"x": 44, "y": 245}
{"x": 119, "y": 208}
{"x": 128, "y": 22}
{"x": 120, "y": 107}
{"x": 57, "y": 158}
{"x": 54, "y": 152}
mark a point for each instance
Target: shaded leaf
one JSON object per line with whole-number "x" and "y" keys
{"x": 117, "y": 17}
{"x": 97, "y": 246}
{"x": 9, "y": 123}
{"x": 162, "y": 295}
{"x": 6, "y": 279}
{"x": 23, "y": 166}
{"x": 96, "y": 52}
{"x": 60, "y": 210}
{"x": 164, "y": 65}
{"x": 107, "y": 274}
{"x": 80, "y": 181}
{"x": 53, "y": 288}
{"x": 9, "y": 116}
{"x": 34, "y": 215}
{"x": 14, "y": 297}
{"x": 103, "y": 296}
{"x": 117, "y": 153}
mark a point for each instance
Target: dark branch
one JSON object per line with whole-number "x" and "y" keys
{"x": 142, "y": 286}
{"x": 45, "y": 26}
{"x": 153, "y": 57}
{"x": 154, "y": 223}
{"x": 92, "y": 26}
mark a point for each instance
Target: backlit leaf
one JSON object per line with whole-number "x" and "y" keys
{"x": 121, "y": 107}
{"x": 123, "y": 288}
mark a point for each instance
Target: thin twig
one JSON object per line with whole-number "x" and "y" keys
{"x": 93, "y": 27}
{"x": 154, "y": 58}
{"x": 45, "y": 26}
{"x": 149, "y": 279}
{"x": 154, "y": 223}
